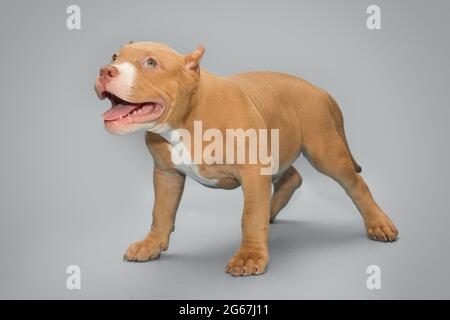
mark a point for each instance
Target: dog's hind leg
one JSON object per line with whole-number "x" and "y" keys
{"x": 336, "y": 114}
{"x": 283, "y": 190}
{"x": 329, "y": 155}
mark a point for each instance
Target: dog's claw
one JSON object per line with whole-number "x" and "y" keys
{"x": 246, "y": 263}
{"x": 143, "y": 251}
{"x": 381, "y": 228}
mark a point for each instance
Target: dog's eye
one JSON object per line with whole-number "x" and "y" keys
{"x": 114, "y": 57}
{"x": 150, "y": 63}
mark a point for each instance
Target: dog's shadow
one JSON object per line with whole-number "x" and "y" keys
{"x": 287, "y": 238}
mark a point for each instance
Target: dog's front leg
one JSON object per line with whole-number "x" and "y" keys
{"x": 253, "y": 254}
{"x": 168, "y": 187}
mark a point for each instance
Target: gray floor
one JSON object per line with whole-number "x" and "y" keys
{"x": 73, "y": 194}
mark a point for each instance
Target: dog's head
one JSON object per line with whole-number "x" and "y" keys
{"x": 148, "y": 84}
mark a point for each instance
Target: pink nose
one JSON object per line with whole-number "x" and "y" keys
{"x": 107, "y": 73}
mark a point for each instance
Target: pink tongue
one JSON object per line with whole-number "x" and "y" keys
{"x": 118, "y": 111}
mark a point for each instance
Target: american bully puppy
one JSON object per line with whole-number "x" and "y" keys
{"x": 154, "y": 88}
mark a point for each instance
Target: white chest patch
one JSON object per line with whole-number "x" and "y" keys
{"x": 188, "y": 167}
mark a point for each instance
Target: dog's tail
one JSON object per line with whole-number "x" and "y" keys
{"x": 339, "y": 123}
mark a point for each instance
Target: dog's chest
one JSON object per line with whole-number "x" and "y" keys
{"x": 187, "y": 166}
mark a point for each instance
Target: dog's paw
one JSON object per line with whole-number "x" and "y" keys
{"x": 381, "y": 228}
{"x": 142, "y": 251}
{"x": 248, "y": 262}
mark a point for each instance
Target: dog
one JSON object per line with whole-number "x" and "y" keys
{"x": 154, "y": 88}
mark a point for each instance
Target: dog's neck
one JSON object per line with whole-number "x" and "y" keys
{"x": 204, "y": 98}
{"x": 208, "y": 89}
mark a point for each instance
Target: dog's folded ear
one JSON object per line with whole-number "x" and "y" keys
{"x": 192, "y": 60}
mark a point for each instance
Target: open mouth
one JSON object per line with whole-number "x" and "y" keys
{"x": 125, "y": 112}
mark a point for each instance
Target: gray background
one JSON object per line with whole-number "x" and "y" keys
{"x": 73, "y": 194}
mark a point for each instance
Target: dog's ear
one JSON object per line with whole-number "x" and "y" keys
{"x": 192, "y": 60}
